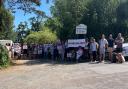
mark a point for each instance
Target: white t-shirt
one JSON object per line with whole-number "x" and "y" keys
{"x": 69, "y": 55}
{"x": 102, "y": 43}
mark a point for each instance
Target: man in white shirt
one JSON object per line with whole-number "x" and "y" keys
{"x": 103, "y": 43}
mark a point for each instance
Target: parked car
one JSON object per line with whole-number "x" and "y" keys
{"x": 125, "y": 49}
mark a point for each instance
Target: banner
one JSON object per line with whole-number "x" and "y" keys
{"x": 76, "y": 42}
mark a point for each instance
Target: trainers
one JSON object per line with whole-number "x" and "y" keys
{"x": 102, "y": 61}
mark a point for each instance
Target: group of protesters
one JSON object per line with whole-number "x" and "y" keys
{"x": 43, "y": 51}
{"x": 96, "y": 51}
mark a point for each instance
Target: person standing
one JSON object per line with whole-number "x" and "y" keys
{"x": 55, "y": 53}
{"x": 93, "y": 49}
{"x": 119, "y": 48}
{"x": 12, "y": 51}
{"x": 90, "y": 52}
{"x": 49, "y": 53}
{"x": 79, "y": 54}
{"x": 110, "y": 47}
{"x": 8, "y": 46}
{"x": 60, "y": 51}
{"x": 103, "y": 43}
{"x": 86, "y": 49}
{"x": 119, "y": 42}
{"x": 25, "y": 50}
{"x": 35, "y": 51}
{"x": 39, "y": 51}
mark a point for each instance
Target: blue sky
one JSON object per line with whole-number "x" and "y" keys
{"x": 21, "y": 17}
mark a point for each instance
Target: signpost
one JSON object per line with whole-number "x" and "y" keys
{"x": 81, "y": 29}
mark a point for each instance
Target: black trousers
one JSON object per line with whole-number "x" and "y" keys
{"x": 94, "y": 55}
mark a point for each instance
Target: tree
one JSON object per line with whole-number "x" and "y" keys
{"x": 21, "y": 32}
{"x": 101, "y": 17}
{"x": 25, "y": 5}
{"x": 69, "y": 14}
{"x": 6, "y": 24}
{"x": 41, "y": 37}
{"x": 36, "y": 23}
{"x": 122, "y": 18}
{"x": 53, "y": 23}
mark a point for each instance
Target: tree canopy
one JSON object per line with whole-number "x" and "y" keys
{"x": 69, "y": 14}
{"x": 100, "y": 16}
{"x": 41, "y": 37}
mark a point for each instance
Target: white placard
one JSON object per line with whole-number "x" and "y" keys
{"x": 81, "y": 29}
{"x": 76, "y": 42}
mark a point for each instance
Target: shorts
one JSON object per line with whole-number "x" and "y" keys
{"x": 119, "y": 50}
{"x": 102, "y": 51}
{"x": 110, "y": 49}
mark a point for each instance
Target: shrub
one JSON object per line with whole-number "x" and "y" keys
{"x": 4, "y": 58}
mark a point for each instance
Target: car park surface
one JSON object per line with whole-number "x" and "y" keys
{"x": 50, "y": 75}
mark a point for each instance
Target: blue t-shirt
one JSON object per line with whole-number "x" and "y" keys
{"x": 110, "y": 42}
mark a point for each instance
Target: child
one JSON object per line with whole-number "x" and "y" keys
{"x": 79, "y": 54}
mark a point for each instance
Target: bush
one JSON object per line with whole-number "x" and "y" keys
{"x": 4, "y": 58}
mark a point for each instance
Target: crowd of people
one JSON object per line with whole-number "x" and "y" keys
{"x": 94, "y": 51}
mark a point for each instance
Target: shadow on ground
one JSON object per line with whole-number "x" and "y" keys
{"x": 50, "y": 62}
{"x": 41, "y": 61}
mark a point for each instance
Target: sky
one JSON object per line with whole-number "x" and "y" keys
{"x": 21, "y": 17}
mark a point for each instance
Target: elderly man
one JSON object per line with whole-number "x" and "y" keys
{"x": 119, "y": 41}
